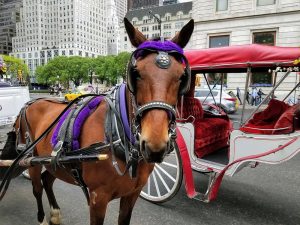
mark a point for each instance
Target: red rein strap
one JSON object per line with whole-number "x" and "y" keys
{"x": 186, "y": 164}
{"x": 216, "y": 185}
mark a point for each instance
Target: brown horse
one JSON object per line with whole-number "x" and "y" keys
{"x": 157, "y": 77}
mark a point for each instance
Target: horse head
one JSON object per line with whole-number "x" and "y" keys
{"x": 158, "y": 74}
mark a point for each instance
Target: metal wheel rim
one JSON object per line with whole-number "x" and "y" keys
{"x": 165, "y": 179}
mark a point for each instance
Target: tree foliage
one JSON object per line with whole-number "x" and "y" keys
{"x": 15, "y": 65}
{"x": 78, "y": 70}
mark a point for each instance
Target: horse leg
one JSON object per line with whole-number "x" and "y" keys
{"x": 48, "y": 180}
{"x": 98, "y": 205}
{"x": 126, "y": 206}
{"x": 35, "y": 175}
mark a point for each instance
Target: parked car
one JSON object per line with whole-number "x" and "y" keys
{"x": 4, "y": 84}
{"x": 228, "y": 103}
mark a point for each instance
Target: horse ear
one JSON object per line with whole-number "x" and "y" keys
{"x": 135, "y": 36}
{"x": 183, "y": 37}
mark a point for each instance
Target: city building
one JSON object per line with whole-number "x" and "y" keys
{"x": 121, "y": 8}
{"x": 113, "y": 34}
{"x": 9, "y": 15}
{"x": 237, "y": 22}
{"x": 168, "y": 2}
{"x": 139, "y": 4}
{"x": 50, "y": 28}
{"x": 157, "y": 21}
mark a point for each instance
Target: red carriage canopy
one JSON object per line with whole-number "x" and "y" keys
{"x": 238, "y": 58}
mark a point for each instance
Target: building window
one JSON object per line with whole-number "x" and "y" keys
{"x": 265, "y": 38}
{"x": 214, "y": 42}
{"x": 221, "y": 5}
{"x": 218, "y": 41}
{"x": 265, "y": 2}
{"x": 261, "y": 79}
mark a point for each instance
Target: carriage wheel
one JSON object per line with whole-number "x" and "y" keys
{"x": 165, "y": 179}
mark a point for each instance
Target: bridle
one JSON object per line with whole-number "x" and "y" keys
{"x": 163, "y": 61}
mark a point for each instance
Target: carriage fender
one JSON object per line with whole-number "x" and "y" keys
{"x": 186, "y": 166}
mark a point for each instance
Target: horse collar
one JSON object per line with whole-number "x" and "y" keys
{"x": 163, "y": 60}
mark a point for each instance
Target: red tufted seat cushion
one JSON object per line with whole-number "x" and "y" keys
{"x": 211, "y": 133}
{"x": 191, "y": 106}
{"x": 263, "y": 122}
{"x": 285, "y": 123}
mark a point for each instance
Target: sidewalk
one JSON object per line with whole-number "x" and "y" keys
{"x": 248, "y": 106}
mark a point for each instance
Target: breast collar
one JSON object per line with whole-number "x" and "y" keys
{"x": 118, "y": 127}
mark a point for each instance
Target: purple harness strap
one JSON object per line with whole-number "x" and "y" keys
{"x": 79, "y": 121}
{"x": 124, "y": 115}
{"x": 54, "y": 138}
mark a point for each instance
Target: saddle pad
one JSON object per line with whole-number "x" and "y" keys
{"x": 76, "y": 125}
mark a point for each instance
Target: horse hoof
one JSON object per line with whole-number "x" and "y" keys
{"x": 44, "y": 222}
{"x": 55, "y": 218}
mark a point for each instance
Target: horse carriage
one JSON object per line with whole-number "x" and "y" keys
{"x": 214, "y": 145}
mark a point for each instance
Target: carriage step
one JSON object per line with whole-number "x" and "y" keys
{"x": 201, "y": 197}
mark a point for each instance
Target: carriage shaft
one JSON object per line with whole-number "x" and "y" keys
{"x": 32, "y": 161}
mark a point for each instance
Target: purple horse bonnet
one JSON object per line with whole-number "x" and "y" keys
{"x": 161, "y": 46}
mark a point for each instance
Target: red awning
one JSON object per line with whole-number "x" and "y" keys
{"x": 238, "y": 58}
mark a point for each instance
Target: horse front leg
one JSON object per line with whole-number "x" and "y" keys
{"x": 126, "y": 206}
{"x": 35, "y": 175}
{"x": 98, "y": 204}
{"x": 48, "y": 180}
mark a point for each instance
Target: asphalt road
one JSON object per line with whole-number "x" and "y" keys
{"x": 266, "y": 195}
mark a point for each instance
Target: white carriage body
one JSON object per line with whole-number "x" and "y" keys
{"x": 244, "y": 145}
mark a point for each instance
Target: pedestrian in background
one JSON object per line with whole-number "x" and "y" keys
{"x": 254, "y": 96}
{"x": 238, "y": 95}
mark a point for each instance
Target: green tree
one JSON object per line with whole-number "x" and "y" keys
{"x": 78, "y": 69}
{"x": 15, "y": 67}
{"x": 121, "y": 62}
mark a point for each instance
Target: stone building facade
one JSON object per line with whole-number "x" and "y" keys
{"x": 239, "y": 22}
{"x": 172, "y": 18}
{"x": 50, "y": 28}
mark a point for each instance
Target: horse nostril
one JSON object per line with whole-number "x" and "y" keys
{"x": 152, "y": 155}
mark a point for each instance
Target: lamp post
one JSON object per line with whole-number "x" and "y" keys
{"x": 91, "y": 76}
{"x": 158, "y": 20}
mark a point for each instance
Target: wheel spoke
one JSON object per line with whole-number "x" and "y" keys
{"x": 170, "y": 165}
{"x": 156, "y": 185}
{"x": 162, "y": 180}
{"x": 166, "y": 173}
{"x": 148, "y": 185}
{"x": 165, "y": 179}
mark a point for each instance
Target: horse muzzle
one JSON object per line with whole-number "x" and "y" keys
{"x": 153, "y": 154}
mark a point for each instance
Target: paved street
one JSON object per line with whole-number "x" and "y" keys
{"x": 266, "y": 195}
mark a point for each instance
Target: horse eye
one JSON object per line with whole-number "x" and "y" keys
{"x": 136, "y": 73}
